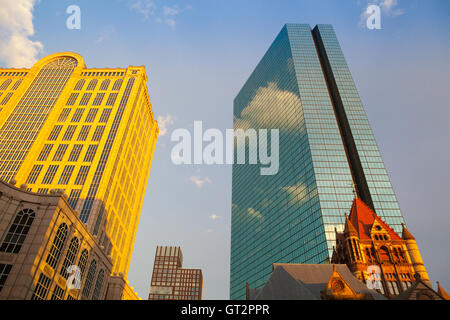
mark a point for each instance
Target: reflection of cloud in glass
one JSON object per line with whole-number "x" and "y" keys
{"x": 252, "y": 215}
{"x": 255, "y": 213}
{"x": 297, "y": 193}
{"x": 257, "y": 115}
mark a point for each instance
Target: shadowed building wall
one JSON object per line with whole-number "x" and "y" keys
{"x": 41, "y": 236}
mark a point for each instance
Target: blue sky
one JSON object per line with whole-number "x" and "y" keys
{"x": 198, "y": 54}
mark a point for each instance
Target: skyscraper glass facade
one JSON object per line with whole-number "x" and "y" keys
{"x": 326, "y": 153}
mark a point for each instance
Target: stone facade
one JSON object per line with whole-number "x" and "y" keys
{"x": 40, "y": 236}
{"x": 368, "y": 244}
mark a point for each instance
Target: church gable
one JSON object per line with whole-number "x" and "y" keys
{"x": 378, "y": 231}
{"x": 367, "y": 222}
{"x": 338, "y": 289}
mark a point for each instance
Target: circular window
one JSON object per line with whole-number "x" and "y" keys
{"x": 337, "y": 286}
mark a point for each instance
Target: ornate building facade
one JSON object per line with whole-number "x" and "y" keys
{"x": 374, "y": 252}
{"x": 85, "y": 132}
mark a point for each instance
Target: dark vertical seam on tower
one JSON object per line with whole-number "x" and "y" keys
{"x": 343, "y": 124}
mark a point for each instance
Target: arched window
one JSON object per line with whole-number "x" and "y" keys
{"x": 400, "y": 252}
{"x": 83, "y": 261}
{"x": 80, "y": 84}
{"x": 384, "y": 254}
{"x": 16, "y": 84}
{"x": 57, "y": 246}
{"x": 70, "y": 256}
{"x": 356, "y": 249}
{"x": 18, "y": 231}
{"x": 105, "y": 84}
{"x": 368, "y": 254}
{"x": 5, "y": 84}
{"x": 98, "y": 285}
{"x": 89, "y": 279}
{"x": 117, "y": 84}
{"x": 92, "y": 84}
{"x": 395, "y": 287}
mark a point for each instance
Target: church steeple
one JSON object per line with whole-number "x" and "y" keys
{"x": 442, "y": 292}
{"x": 414, "y": 253}
{"x": 349, "y": 228}
{"x": 406, "y": 235}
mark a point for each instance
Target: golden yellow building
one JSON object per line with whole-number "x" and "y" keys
{"x": 89, "y": 133}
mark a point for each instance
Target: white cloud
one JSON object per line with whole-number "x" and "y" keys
{"x": 144, "y": 7}
{"x": 105, "y": 35}
{"x": 199, "y": 182}
{"x": 163, "y": 122}
{"x": 169, "y": 15}
{"x": 214, "y": 216}
{"x": 166, "y": 15}
{"x": 16, "y": 26}
{"x": 389, "y": 6}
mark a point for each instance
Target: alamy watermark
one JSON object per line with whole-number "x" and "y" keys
{"x": 74, "y": 279}
{"x": 222, "y": 151}
{"x": 373, "y": 13}
{"x": 74, "y": 20}
{"x": 374, "y": 280}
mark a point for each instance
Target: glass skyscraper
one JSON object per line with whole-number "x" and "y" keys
{"x": 327, "y": 153}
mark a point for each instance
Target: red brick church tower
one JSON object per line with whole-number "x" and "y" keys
{"x": 368, "y": 245}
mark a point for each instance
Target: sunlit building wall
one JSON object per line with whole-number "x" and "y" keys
{"x": 89, "y": 133}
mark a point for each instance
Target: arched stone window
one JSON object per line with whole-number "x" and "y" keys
{"x": 89, "y": 279}
{"x": 83, "y": 261}
{"x": 57, "y": 246}
{"x": 18, "y": 231}
{"x": 70, "y": 256}
{"x": 384, "y": 254}
{"x": 98, "y": 285}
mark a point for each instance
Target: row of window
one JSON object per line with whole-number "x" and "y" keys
{"x": 74, "y": 155}
{"x": 90, "y": 117}
{"x": 50, "y": 174}
{"x": 23, "y": 125}
{"x": 53, "y": 258}
{"x": 173, "y": 297}
{"x": 102, "y": 74}
{"x": 14, "y": 240}
{"x": 12, "y": 74}
{"x": 4, "y": 86}
{"x": 82, "y": 135}
{"x": 93, "y": 84}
